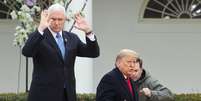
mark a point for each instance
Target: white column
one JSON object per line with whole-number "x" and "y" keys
{"x": 83, "y": 66}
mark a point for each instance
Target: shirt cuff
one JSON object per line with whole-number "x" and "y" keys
{"x": 41, "y": 32}
{"x": 91, "y": 36}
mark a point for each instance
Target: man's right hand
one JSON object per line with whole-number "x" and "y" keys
{"x": 44, "y": 21}
{"x": 146, "y": 92}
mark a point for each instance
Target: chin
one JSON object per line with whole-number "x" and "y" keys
{"x": 56, "y": 29}
{"x": 134, "y": 79}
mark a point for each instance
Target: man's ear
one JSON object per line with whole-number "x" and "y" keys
{"x": 117, "y": 63}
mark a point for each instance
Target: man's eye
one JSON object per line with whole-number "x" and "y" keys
{"x": 60, "y": 19}
{"x": 53, "y": 19}
{"x": 129, "y": 61}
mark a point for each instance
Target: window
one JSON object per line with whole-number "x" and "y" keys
{"x": 6, "y": 8}
{"x": 172, "y": 9}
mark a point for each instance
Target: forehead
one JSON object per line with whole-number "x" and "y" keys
{"x": 58, "y": 14}
{"x": 129, "y": 57}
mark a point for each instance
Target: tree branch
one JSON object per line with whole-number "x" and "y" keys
{"x": 83, "y": 7}
{"x": 67, "y": 5}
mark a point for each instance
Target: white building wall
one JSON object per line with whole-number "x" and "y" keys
{"x": 171, "y": 51}
{"x": 9, "y": 57}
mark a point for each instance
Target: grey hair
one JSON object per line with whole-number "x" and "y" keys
{"x": 56, "y": 7}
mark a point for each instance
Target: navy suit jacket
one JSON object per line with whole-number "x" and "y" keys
{"x": 113, "y": 87}
{"x": 51, "y": 71}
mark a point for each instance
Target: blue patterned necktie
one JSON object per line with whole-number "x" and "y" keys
{"x": 60, "y": 43}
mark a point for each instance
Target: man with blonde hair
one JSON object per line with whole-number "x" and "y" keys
{"x": 116, "y": 84}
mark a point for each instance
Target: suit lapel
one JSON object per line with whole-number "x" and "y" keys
{"x": 124, "y": 83}
{"x": 67, "y": 43}
{"x": 52, "y": 42}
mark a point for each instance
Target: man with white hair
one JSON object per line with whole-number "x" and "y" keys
{"x": 54, "y": 52}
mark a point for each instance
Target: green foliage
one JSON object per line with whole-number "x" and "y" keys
{"x": 23, "y": 97}
{"x": 91, "y": 97}
{"x": 188, "y": 97}
{"x": 13, "y": 97}
{"x": 86, "y": 97}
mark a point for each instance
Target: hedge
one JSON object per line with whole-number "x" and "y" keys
{"x": 188, "y": 97}
{"x": 23, "y": 97}
{"x": 91, "y": 97}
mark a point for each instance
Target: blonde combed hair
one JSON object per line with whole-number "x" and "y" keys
{"x": 125, "y": 52}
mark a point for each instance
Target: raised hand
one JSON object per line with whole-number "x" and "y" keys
{"x": 44, "y": 21}
{"x": 82, "y": 24}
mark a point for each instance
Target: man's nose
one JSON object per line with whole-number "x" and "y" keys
{"x": 56, "y": 21}
{"x": 132, "y": 64}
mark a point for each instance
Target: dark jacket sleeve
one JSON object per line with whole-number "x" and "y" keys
{"x": 90, "y": 49}
{"x": 105, "y": 90}
{"x": 30, "y": 48}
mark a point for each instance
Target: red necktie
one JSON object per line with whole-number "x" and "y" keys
{"x": 129, "y": 86}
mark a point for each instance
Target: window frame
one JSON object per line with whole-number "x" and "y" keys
{"x": 141, "y": 18}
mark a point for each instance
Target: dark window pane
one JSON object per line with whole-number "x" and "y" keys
{"x": 173, "y": 9}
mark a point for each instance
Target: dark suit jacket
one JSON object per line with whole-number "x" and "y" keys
{"x": 113, "y": 87}
{"x": 51, "y": 71}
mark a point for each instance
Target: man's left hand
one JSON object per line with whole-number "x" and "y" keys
{"x": 82, "y": 24}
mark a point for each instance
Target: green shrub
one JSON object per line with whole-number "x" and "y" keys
{"x": 91, "y": 97}
{"x": 23, "y": 97}
{"x": 86, "y": 97}
{"x": 13, "y": 97}
{"x": 188, "y": 97}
